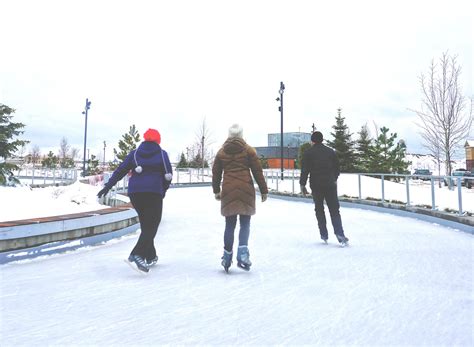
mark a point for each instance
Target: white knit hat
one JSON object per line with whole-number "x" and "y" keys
{"x": 236, "y": 131}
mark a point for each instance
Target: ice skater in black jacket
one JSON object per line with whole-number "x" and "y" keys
{"x": 322, "y": 166}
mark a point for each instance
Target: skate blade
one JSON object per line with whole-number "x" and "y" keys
{"x": 243, "y": 267}
{"x": 134, "y": 267}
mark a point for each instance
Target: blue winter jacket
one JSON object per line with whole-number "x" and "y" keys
{"x": 152, "y": 178}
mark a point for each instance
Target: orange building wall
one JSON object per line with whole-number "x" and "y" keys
{"x": 470, "y": 153}
{"x": 275, "y": 163}
{"x": 470, "y": 159}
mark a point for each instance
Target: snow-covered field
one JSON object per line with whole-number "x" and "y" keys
{"x": 24, "y": 202}
{"x": 401, "y": 282}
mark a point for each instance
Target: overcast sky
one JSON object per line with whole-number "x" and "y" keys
{"x": 170, "y": 64}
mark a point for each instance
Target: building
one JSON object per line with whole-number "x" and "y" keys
{"x": 289, "y": 139}
{"x": 291, "y": 145}
{"x": 469, "y": 146}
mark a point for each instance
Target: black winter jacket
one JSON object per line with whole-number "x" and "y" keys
{"x": 321, "y": 163}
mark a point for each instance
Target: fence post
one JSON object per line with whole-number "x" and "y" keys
{"x": 383, "y": 189}
{"x": 459, "y": 195}
{"x": 408, "y": 190}
{"x": 433, "y": 203}
{"x": 360, "y": 186}
{"x": 293, "y": 183}
{"x": 33, "y": 175}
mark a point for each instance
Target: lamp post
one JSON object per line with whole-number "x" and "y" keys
{"x": 103, "y": 163}
{"x": 280, "y": 108}
{"x": 88, "y": 106}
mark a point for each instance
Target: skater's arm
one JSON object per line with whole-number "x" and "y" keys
{"x": 337, "y": 169}
{"x": 217, "y": 175}
{"x": 304, "y": 169}
{"x": 257, "y": 171}
{"x": 121, "y": 171}
{"x": 169, "y": 169}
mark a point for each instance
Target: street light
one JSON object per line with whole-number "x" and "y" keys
{"x": 88, "y": 106}
{"x": 103, "y": 163}
{"x": 281, "y": 91}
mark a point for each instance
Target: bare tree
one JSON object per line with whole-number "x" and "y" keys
{"x": 64, "y": 148}
{"x": 444, "y": 120}
{"x": 204, "y": 140}
{"x": 74, "y": 153}
{"x": 35, "y": 154}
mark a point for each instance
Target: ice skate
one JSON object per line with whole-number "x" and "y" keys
{"x": 153, "y": 262}
{"x": 243, "y": 260}
{"x": 138, "y": 264}
{"x": 226, "y": 260}
{"x": 325, "y": 241}
{"x": 343, "y": 241}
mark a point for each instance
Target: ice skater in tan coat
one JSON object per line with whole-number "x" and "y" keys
{"x": 234, "y": 165}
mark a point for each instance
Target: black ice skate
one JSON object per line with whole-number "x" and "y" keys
{"x": 153, "y": 262}
{"x": 138, "y": 264}
{"x": 226, "y": 260}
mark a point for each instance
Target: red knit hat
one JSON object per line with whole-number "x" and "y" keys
{"x": 152, "y": 135}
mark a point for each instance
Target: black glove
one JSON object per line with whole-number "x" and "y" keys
{"x": 304, "y": 191}
{"x": 103, "y": 192}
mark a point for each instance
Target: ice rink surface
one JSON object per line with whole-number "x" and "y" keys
{"x": 401, "y": 282}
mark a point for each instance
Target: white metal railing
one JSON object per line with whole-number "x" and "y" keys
{"x": 46, "y": 176}
{"x": 434, "y": 192}
{"x": 180, "y": 176}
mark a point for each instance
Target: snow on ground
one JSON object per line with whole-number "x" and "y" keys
{"x": 24, "y": 202}
{"x": 401, "y": 282}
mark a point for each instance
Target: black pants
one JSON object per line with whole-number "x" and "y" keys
{"x": 149, "y": 207}
{"x": 321, "y": 193}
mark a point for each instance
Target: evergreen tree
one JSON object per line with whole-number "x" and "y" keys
{"x": 182, "y": 162}
{"x": 127, "y": 144}
{"x": 301, "y": 151}
{"x": 92, "y": 166}
{"x": 51, "y": 161}
{"x": 8, "y": 144}
{"x": 400, "y": 164}
{"x": 197, "y": 162}
{"x": 343, "y": 144}
{"x": 363, "y": 150}
{"x": 386, "y": 156}
{"x": 67, "y": 163}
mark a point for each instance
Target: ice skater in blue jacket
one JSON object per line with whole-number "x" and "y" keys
{"x": 151, "y": 175}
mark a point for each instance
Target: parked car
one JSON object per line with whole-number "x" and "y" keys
{"x": 467, "y": 178}
{"x": 424, "y": 172}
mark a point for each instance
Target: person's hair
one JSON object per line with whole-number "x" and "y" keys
{"x": 317, "y": 137}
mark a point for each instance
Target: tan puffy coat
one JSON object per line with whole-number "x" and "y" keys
{"x": 235, "y": 160}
